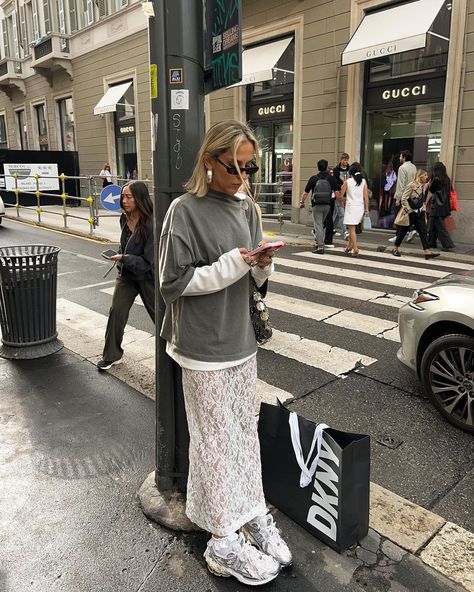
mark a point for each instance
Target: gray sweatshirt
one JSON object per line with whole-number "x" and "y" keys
{"x": 196, "y": 231}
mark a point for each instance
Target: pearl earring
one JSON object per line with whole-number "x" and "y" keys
{"x": 209, "y": 176}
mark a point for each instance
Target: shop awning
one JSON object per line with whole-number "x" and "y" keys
{"x": 108, "y": 103}
{"x": 390, "y": 31}
{"x": 259, "y": 62}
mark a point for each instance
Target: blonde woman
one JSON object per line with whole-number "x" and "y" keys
{"x": 413, "y": 213}
{"x": 205, "y": 278}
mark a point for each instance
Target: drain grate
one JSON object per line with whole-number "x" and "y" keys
{"x": 389, "y": 442}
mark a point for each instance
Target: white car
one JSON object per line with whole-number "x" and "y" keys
{"x": 2, "y": 209}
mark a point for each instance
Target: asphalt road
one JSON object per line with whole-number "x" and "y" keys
{"x": 432, "y": 464}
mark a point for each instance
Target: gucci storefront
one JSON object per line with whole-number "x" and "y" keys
{"x": 403, "y": 107}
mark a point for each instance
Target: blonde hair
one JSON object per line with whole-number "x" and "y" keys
{"x": 222, "y": 136}
{"x": 419, "y": 173}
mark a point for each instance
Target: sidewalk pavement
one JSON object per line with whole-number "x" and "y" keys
{"x": 77, "y": 445}
{"x": 290, "y": 233}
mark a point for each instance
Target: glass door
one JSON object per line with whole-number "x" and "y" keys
{"x": 389, "y": 131}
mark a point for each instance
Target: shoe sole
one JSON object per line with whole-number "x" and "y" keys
{"x": 231, "y": 573}
{"x": 108, "y": 367}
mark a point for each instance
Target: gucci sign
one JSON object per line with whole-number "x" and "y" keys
{"x": 406, "y": 91}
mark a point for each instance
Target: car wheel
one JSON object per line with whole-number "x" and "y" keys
{"x": 447, "y": 376}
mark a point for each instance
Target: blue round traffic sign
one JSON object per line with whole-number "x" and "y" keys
{"x": 110, "y": 197}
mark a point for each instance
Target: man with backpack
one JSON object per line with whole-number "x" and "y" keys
{"x": 322, "y": 188}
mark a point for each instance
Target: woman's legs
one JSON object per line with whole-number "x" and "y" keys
{"x": 124, "y": 294}
{"x": 401, "y": 233}
{"x": 443, "y": 234}
{"x": 353, "y": 238}
{"x": 146, "y": 289}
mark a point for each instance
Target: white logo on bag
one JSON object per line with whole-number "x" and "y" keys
{"x": 323, "y": 514}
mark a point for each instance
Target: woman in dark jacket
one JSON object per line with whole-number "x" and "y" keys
{"x": 439, "y": 209}
{"x": 136, "y": 268}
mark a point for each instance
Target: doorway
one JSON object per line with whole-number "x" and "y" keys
{"x": 276, "y": 156}
{"x": 389, "y": 131}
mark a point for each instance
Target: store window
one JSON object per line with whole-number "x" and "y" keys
{"x": 125, "y": 136}
{"x": 22, "y": 129}
{"x": 3, "y": 133}
{"x": 66, "y": 123}
{"x": 403, "y": 110}
{"x": 41, "y": 127}
{"x": 270, "y": 113}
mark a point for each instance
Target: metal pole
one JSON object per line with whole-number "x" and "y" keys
{"x": 175, "y": 35}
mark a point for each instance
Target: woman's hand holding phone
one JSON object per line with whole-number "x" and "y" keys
{"x": 262, "y": 255}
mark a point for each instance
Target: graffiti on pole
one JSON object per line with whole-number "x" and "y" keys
{"x": 223, "y": 43}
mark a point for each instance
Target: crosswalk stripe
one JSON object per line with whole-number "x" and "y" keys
{"x": 333, "y": 360}
{"x": 332, "y": 316}
{"x": 351, "y": 273}
{"x": 454, "y": 265}
{"x": 420, "y": 271}
{"x": 269, "y": 393}
{"x": 354, "y": 292}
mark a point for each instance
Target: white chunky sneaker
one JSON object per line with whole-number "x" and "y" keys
{"x": 234, "y": 556}
{"x": 392, "y": 240}
{"x": 263, "y": 533}
{"x": 411, "y": 235}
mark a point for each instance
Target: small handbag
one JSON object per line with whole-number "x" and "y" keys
{"x": 366, "y": 222}
{"x": 453, "y": 201}
{"x": 259, "y": 315}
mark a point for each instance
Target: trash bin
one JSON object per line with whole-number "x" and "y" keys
{"x": 28, "y": 285}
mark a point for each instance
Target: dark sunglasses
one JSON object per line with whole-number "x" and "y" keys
{"x": 231, "y": 169}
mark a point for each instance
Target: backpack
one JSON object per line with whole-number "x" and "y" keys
{"x": 416, "y": 202}
{"x": 322, "y": 193}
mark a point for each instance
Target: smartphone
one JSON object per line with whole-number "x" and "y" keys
{"x": 108, "y": 254}
{"x": 273, "y": 246}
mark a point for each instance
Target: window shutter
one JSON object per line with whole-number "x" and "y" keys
{"x": 36, "y": 25}
{"x": 16, "y": 41}
{"x": 102, "y": 8}
{"x": 73, "y": 15}
{"x": 47, "y": 16}
{"x": 61, "y": 17}
{"x": 24, "y": 39}
{"x": 89, "y": 14}
{"x": 6, "y": 49}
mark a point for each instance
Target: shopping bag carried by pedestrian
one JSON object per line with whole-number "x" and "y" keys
{"x": 366, "y": 222}
{"x": 453, "y": 201}
{"x": 316, "y": 475}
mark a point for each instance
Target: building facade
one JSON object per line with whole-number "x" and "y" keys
{"x": 367, "y": 77}
{"x": 405, "y": 81}
{"x": 59, "y": 59}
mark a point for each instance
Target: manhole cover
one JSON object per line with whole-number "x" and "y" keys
{"x": 389, "y": 442}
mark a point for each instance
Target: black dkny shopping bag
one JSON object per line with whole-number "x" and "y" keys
{"x": 327, "y": 495}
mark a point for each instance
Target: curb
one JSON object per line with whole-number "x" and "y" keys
{"x": 59, "y": 229}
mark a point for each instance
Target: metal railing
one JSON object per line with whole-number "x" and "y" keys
{"x": 271, "y": 198}
{"x": 90, "y": 186}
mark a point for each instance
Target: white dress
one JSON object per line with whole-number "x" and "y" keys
{"x": 354, "y": 202}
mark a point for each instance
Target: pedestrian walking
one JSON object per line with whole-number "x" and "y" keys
{"x": 412, "y": 214}
{"x": 322, "y": 187}
{"x": 106, "y": 175}
{"x": 439, "y": 207}
{"x": 341, "y": 174}
{"x": 206, "y": 275}
{"x": 356, "y": 203}
{"x": 406, "y": 174}
{"x": 136, "y": 266}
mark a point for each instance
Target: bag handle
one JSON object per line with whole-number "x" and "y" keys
{"x": 307, "y": 473}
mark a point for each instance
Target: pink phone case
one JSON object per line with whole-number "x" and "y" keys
{"x": 274, "y": 246}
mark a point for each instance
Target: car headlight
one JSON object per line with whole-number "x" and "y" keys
{"x": 420, "y": 297}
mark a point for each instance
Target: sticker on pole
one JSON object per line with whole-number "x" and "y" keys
{"x": 110, "y": 197}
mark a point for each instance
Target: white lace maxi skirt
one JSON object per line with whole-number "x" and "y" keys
{"x": 225, "y": 478}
